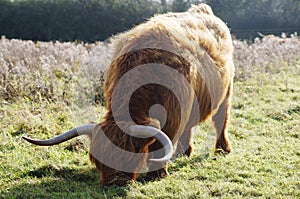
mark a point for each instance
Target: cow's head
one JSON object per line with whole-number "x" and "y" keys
{"x": 118, "y": 153}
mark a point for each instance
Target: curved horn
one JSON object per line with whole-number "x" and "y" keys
{"x": 149, "y": 131}
{"x": 81, "y": 130}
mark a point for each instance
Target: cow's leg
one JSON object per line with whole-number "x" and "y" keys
{"x": 185, "y": 144}
{"x": 221, "y": 119}
{"x": 156, "y": 170}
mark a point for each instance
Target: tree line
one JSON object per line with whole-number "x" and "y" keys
{"x": 92, "y": 20}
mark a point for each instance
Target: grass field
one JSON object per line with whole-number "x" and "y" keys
{"x": 264, "y": 130}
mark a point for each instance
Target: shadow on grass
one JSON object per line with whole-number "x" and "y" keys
{"x": 50, "y": 182}
{"x": 177, "y": 165}
{"x": 183, "y": 161}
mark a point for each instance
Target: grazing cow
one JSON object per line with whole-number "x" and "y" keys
{"x": 167, "y": 75}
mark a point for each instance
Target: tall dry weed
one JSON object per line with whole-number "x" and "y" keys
{"x": 51, "y": 70}
{"x": 267, "y": 55}
{"x": 65, "y": 71}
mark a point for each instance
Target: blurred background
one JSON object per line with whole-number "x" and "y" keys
{"x": 96, "y": 20}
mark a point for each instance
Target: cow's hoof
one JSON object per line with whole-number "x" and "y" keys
{"x": 222, "y": 151}
{"x": 187, "y": 152}
{"x": 222, "y": 147}
{"x": 152, "y": 175}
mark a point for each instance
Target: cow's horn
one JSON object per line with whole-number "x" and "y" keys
{"x": 148, "y": 131}
{"x": 81, "y": 130}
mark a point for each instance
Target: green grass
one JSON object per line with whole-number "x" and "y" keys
{"x": 264, "y": 163}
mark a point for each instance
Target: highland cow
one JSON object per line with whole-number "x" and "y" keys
{"x": 167, "y": 75}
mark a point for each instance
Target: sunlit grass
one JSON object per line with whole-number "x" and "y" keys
{"x": 264, "y": 132}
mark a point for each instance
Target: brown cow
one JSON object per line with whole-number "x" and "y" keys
{"x": 168, "y": 75}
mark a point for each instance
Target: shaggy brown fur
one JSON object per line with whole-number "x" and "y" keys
{"x": 197, "y": 45}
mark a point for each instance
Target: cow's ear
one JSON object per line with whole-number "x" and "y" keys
{"x": 154, "y": 123}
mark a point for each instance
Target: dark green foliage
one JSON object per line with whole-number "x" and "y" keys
{"x": 246, "y": 18}
{"x": 92, "y": 20}
{"x": 70, "y": 20}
